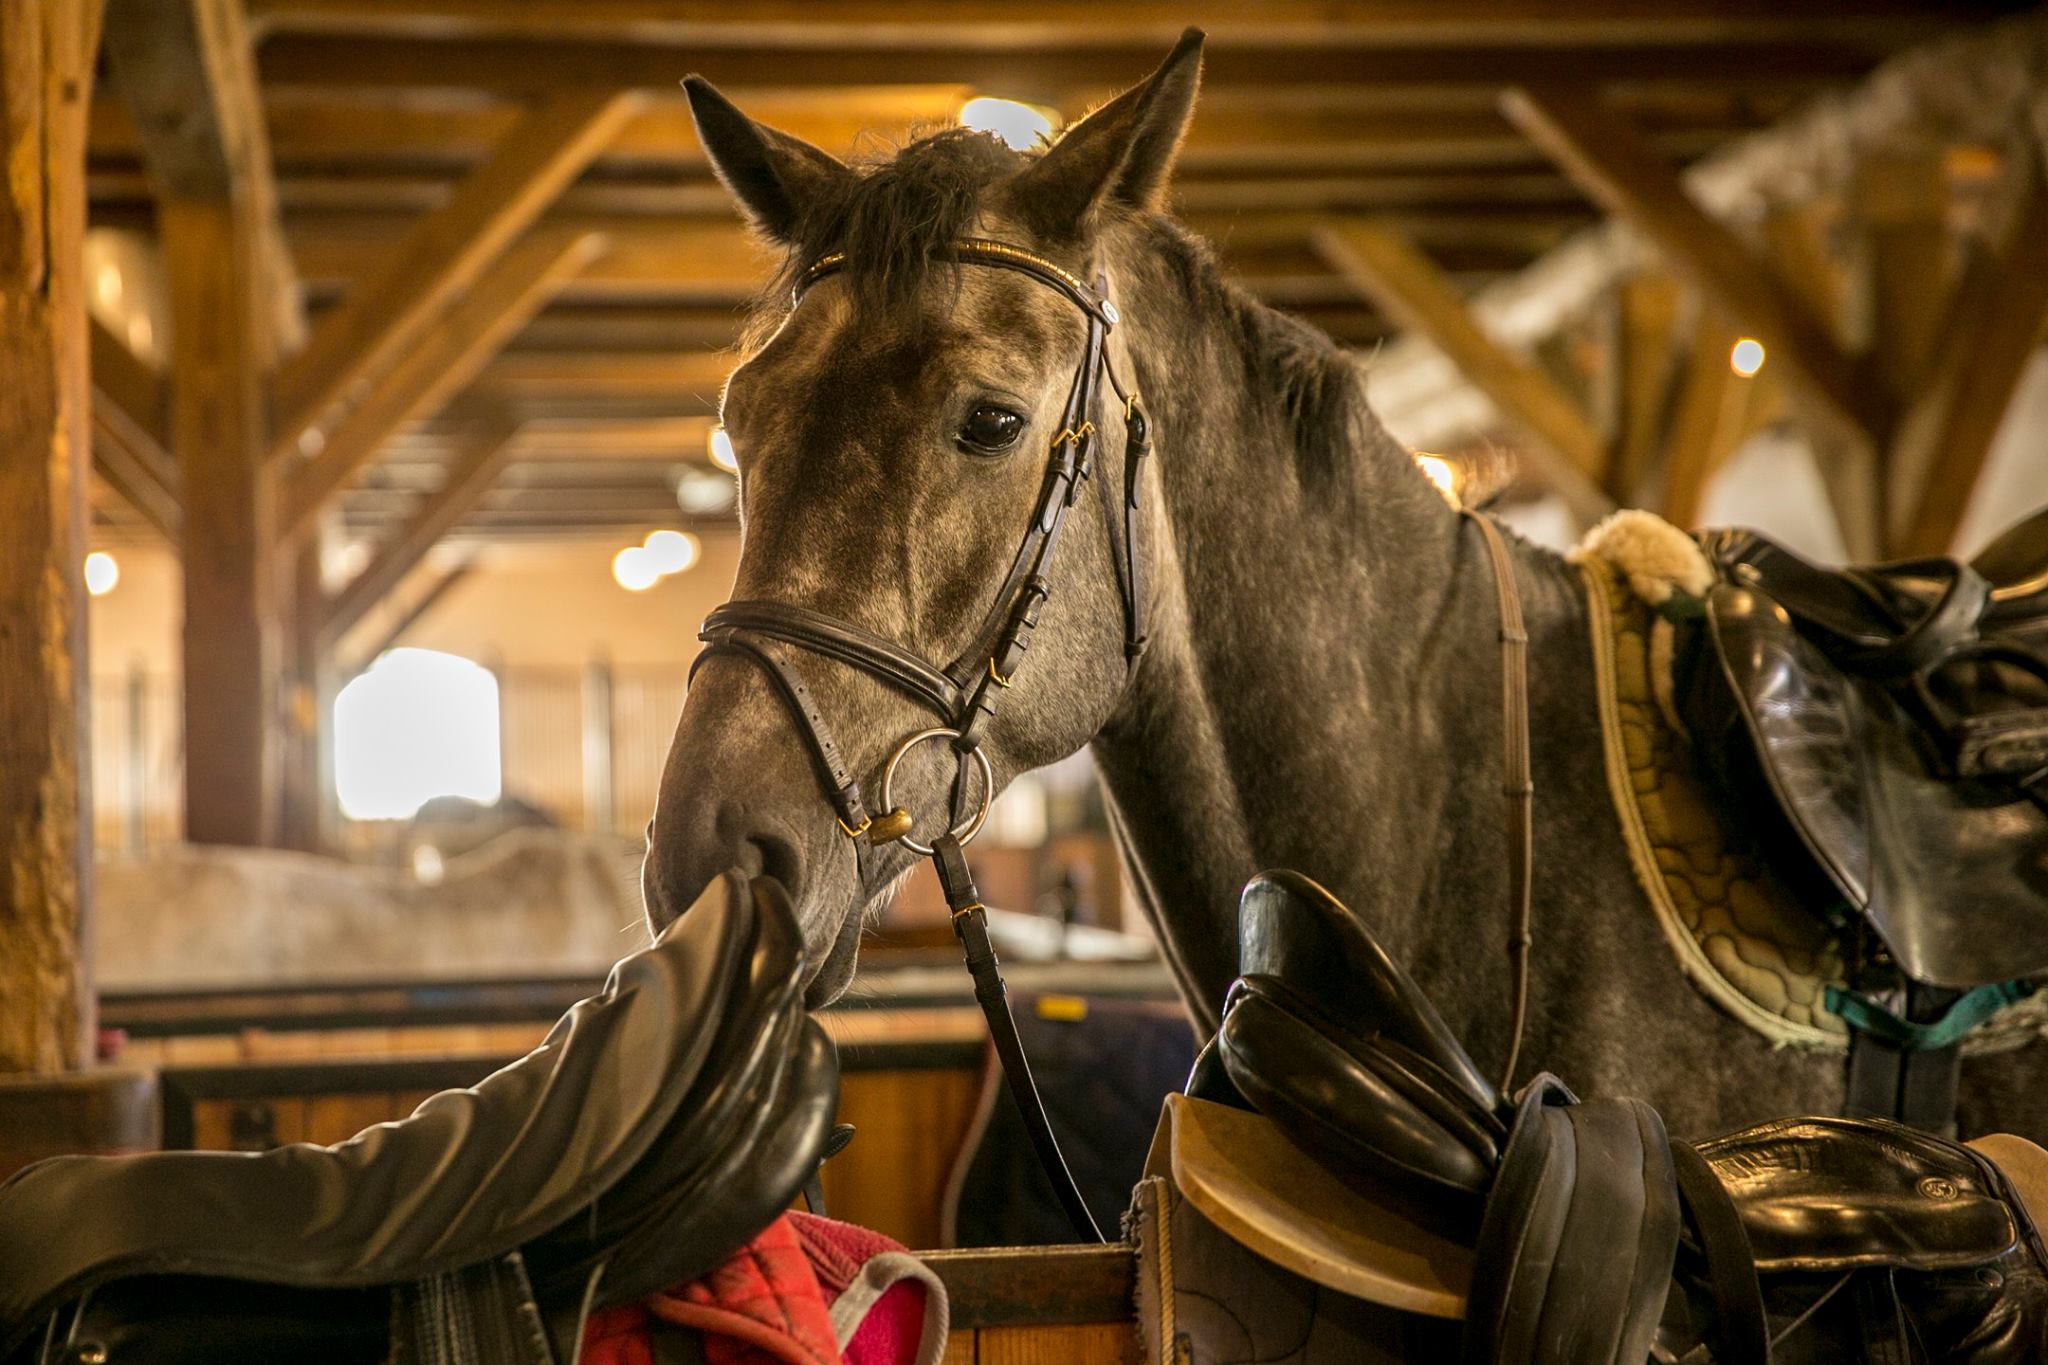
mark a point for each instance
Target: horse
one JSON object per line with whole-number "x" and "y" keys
{"x": 1319, "y": 683}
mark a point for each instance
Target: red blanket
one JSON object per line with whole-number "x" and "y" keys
{"x": 806, "y": 1291}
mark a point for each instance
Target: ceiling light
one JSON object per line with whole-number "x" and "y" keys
{"x": 1746, "y": 357}
{"x": 1022, "y": 126}
{"x": 671, "y": 551}
{"x": 101, "y": 573}
{"x": 634, "y": 569}
{"x": 703, "y": 493}
{"x": 722, "y": 453}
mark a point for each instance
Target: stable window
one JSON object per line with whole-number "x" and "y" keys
{"x": 416, "y": 725}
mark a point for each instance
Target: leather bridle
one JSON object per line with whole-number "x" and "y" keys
{"x": 962, "y": 696}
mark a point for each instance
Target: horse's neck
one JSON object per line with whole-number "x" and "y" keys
{"x": 1323, "y": 692}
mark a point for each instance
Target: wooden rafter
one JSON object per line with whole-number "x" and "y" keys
{"x": 1991, "y": 330}
{"x": 1714, "y": 411}
{"x": 1631, "y": 180}
{"x": 441, "y": 361}
{"x": 187, "y": 74}
{"x": 444, "y": 255}
{"x": 478, "y": 461}
{"x": 445, "y": 582}
{"x": 128, "y": 434}
{"x": 1404, "y": 283}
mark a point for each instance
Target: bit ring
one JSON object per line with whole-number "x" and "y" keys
{"x": 966, "y": 829}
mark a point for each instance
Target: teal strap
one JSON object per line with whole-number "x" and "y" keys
{"x": 1864, "y": 1015}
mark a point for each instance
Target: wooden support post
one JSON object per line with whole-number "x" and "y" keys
{"x": 1991, "y": 329}
{"x": 232, "y": 654}
{"x": 445, "y": 358}
{"x": 1381, "y": 264}
{"x": 1626, "y": 175}
{"x": 481, "y": 455}
{"x": 46, "y": 74}
{"x": 1715, "y": 411}
{"x": 308, "y": 692}
{"x": 186, "y": 71}
{"x": 444, "y": 255}
{"x": 1651, "y": 366}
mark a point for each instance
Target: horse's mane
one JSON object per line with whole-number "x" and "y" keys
{"x": 896, "y": 218}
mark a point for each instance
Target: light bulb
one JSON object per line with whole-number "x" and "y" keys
{"x": 101, "y": 573}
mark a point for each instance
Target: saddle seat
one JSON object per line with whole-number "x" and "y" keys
{"x": 659, "y": 1124}
{"x": 1886, "y": 731}
{"x": 1595, "y": 1235}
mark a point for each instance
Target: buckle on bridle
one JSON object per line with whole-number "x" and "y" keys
{"x": 1074, "y": 435}
{"x": 998, "y": 679}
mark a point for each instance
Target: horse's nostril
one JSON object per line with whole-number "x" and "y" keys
{"x": 772, "y": 855}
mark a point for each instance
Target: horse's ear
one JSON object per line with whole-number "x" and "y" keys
{"x": 773, "y": 175}
{"x": 1122, "y": 153}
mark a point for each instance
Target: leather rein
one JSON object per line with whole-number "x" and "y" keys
{"x": 962, "y": 695}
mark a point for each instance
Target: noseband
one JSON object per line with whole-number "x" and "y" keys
{"x": 962, "y": 695}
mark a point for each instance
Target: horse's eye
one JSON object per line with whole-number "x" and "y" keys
{"x": 990, "y": 429}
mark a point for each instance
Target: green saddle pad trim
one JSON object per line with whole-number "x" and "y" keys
{"x": 1973, "y": 1007}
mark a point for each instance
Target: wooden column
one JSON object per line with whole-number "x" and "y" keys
{"x": 46, "y": 68}
{"x": 232, "y": 651}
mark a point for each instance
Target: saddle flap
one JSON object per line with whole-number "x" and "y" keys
{"x": 1293, "y": 932}
{"x": 1826, "y": 1194}
{"x": 1951, "y": 873}
{"x": 472, "y": 1174}
{"x": 1244, "y": 1174}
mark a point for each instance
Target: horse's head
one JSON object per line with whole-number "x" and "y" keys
{"x": 897, "y": 427}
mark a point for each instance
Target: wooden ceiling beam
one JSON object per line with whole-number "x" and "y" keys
{"x": 444, "y": 255}
{"x": 446, "y": 581}
{"x": 440, "y": 362}
{"x": 1056, "y": 63}
{"x": 1992, "y": 329}
{"x": 1627, "y": 177}
{"x": 1407, "y": 286}
{"x": 480, "y": 458}
{"x": 1537, "y": 23}
{"x": 187, "y": 75}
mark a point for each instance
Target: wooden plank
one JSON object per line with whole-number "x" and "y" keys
{"x": 1099, "y": 1343}
{"x": 1989, "y": 333}
{"x": 1633, "y": 181}
{"x": 1543, "y": 23}
{"x": 479, "y": 459}
{"x": 1403, "y": 282}
{"x": 444, "y": 255}
{"x": 1074, "y": 1283}
{"x": 910, "y": 1127}
{"x": 186, "y": 71}
{"x": 231, "y": 664}
{"x": 442, "y": 360}
{"x": 1055, "y": 62}
{"x": 46, "y": 69}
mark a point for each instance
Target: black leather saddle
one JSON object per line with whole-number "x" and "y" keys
{"x": 1890, "y": 725}
{"x": 1596, "y": 1238}
{"x": 661, "y": 1123}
